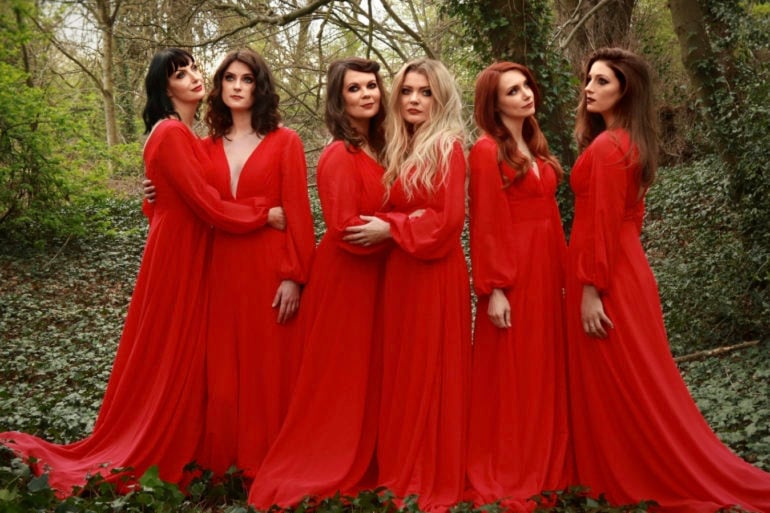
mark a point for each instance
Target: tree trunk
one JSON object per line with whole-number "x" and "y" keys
{"x": 697, "y": 57}
{"x": 706, "y": 74}
{"x": 593, "y": 24}
{"x": 106, "y": 26}
{"x": 509, "y": 40}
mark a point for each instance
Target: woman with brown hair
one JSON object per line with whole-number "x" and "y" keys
{"x": 255, "y": 278}
{"x": 338, "y": 384}
{"x": 637, "y": 433}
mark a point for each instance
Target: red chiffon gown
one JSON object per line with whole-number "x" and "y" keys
{"x": 426, "y": 345}
{"x": 153, "y": 408}
{"x": 519, "y": 431}
{"x": 637, "y": 432}
{"x": 327, "y": 442}
{"x": 251, "y": 360}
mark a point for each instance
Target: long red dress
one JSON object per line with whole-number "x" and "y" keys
{"x": 251, "y": 362}
{"x": 637, "y": 432}
{"x": 519, "y": 431}
{"x": 327, "y": 442}
{"x": 152, "y": 413}
{"x": 426, "y": 345}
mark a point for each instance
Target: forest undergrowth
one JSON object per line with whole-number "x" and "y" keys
{"x": 61, "y": 317}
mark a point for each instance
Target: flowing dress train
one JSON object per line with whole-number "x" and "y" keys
{"x": 638, "y": 434}
{"x": 153, "y": 408}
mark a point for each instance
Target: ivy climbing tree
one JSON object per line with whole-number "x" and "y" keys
{"x": 521, "y": 31}
{"x": 724, "y": 49}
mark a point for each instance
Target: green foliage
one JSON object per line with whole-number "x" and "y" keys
{"x": 500, "y": 31}
{"x": 62, "y": 314}
{"x": 703, "y": 270}
{"x": 579, "y": 498}
{"x": 63, "y": 308}
{"x": 730, "y": 255}
{"x": 22, "y": 491}
{"x": 51, "y": 170}
{"x": 31, "y": 177}
{"x": 742, "y": 380}
{"x": 318, "y": 221}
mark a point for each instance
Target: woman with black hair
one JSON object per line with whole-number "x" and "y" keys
{"x": 153, "y": 408}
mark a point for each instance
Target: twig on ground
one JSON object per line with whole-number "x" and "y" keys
{"x": 714, "y": 352}
{"x": 58, "y": 252}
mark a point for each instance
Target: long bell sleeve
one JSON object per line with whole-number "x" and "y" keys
{"x": 176, "y": 152}
{"x": 435, "y": 233}
{"x": 492, "y": 242}
{"x": 607, "y": 198}
{"x": 300, "y": 234}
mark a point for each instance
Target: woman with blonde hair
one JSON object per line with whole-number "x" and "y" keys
{"x": 426, "y": 299}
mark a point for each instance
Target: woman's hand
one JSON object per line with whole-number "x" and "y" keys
{"x": 276, "y": 218}
{"x": 375, "y": 230}
{"x": 149, "y": 190}
{"x": 286, "y": 300}
{"x": 499, "y": 309}
{"x": 592, "y": 313}
{"x": 417, "y": 213}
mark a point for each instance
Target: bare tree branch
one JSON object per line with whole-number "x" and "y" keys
{"x": 582, "y": 22}
{"x": 406, "y": 28}
{"x": 253, "y": 21}
{"x": 47, "y": 33}
{"x": 699, "y": 355}
{"x": 380, "y": 29}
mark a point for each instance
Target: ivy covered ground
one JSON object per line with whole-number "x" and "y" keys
{"x": 61, "y": 314}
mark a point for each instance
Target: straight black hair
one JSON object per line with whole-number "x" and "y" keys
{"x": 163, "y": 65}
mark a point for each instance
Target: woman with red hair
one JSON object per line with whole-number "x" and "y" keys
{"x": 518, "y": 438}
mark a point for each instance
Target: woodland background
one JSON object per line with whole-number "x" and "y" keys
{"x": 71, "y": 94}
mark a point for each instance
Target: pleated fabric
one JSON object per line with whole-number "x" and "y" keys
{"x": 426, "y": 345}
{"x": 519, "y": 431}
{"x": 326, "y": 444}
{"x": 153, "y": 408}
{"x": 638, "y": 434}
{"x": 251, "y": 359}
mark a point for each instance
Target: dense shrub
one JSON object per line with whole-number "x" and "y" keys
{"x": 694, "y": 244}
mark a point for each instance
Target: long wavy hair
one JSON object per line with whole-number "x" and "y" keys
{"x": 417, "y": 154}
{"x": 163, "y": 64}
{"x": 487, "y": 116}
{"x": 337, "y": 120}
{"x": 634, "y": 112}
{"x": 265, "y": 116}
